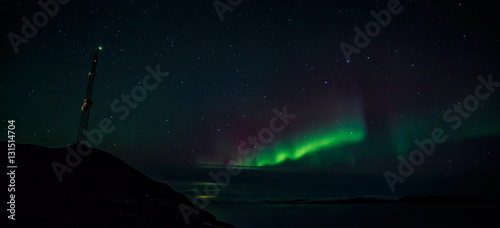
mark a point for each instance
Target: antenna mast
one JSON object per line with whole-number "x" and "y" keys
{"x": 87, "y": 102}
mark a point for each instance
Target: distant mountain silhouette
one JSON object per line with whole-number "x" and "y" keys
{"x": 406, "y": 200}
{"x": 103, "y": 191}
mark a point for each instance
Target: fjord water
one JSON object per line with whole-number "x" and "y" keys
{"x": 354, "y": 215}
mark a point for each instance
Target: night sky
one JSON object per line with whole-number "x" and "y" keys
{"x": 223, "y": 78}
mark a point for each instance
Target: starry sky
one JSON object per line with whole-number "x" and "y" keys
{"x": 225, "y": 77}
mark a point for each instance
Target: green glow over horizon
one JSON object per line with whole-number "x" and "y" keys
{"x": 296, "y": 150}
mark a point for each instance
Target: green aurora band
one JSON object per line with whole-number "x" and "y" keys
{"x": 404, "y": 132}
{"x": 314, "y": 143}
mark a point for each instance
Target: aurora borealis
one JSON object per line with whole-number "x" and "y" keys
{"x": 298, "y": 148}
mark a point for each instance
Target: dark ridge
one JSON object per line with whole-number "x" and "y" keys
{"x": 102, "y": 191}
{"x": 402, "y": 200}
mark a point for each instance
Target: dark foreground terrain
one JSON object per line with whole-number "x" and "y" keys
{"x": 101, "y": 191}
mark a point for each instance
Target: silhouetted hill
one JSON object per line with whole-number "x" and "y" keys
{"x": 102, "y": 191}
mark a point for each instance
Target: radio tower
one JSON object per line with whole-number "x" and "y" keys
{"x": 87, "y": 102}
